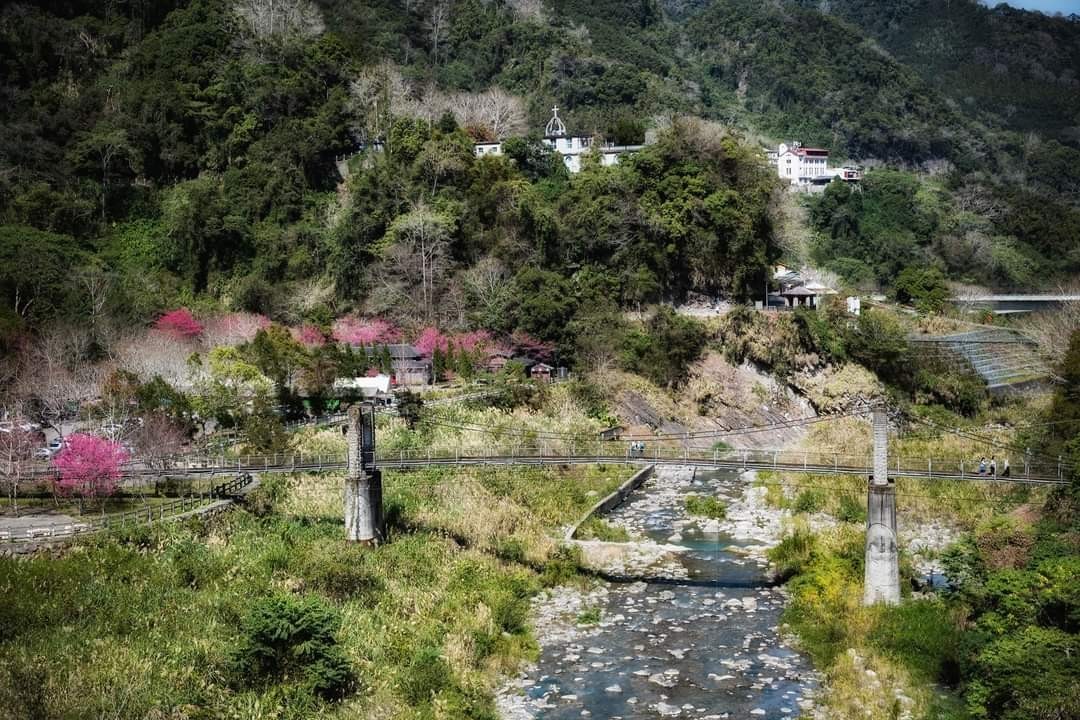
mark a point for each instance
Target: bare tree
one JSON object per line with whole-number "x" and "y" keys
{"x": 488, "y": 287}
{"x": 528, "y": 9}
{"x": 437, "y": 24}
{"x": 157, "y": 439}
{"x": 504, "y": 113}
{"x": 59, "y": 375}
{"x": 281, "y": 21}
{"x": 417, "y": 260}
{"x": 96, "y": 284}
{"x": 18, "y": 442}
{"x": 1052, "y": 329}
{"x": 154, "y": 353}
{"x": 499, "y": 112}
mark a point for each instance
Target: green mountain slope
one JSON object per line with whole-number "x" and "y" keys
{"x": 1017, "y": 70}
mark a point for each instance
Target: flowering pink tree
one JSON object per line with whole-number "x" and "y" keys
{"x": 473, "y": 341}
{"x": 309, "y": 336}
{"x": 430, "y": 340}
{"x": 89, "y": 466}
{"x": 180, "y": 324}
{"x": 364, "y": 332}
{"x": 233, "y": 328}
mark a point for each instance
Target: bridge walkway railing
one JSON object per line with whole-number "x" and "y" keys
{"x": 565, "y": 452}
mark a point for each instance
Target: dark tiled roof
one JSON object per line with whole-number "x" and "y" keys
{"x": 398, "y": 351}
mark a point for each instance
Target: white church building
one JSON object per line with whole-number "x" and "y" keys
{"x": 808, "y": 166}
{"x": 572, "y": 148}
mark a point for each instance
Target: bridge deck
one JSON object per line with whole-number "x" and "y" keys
{"x": 780, "y": 460}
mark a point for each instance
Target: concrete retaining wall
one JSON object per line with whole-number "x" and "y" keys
{"x": 613, "y": 500}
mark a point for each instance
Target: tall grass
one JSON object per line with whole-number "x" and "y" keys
{"x": 142, "y": 624}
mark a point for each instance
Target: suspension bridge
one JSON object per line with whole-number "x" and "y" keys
{"x": 363, "y": 464}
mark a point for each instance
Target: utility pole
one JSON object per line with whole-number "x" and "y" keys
{"x": 364, "y": 521}
{"x": 882, "y": 579}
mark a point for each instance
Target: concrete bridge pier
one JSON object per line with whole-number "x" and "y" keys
{"x": 364, "y": 522}
{"x": 881, "y": 582}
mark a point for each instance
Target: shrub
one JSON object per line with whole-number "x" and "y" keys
{"x": 194, "y": 564}
{"x": 426, "y": 674}
{"x": 340, "y": 570}
{"x": 561, "y": 567}
{"x": 589, "y": 616}
{"x": 810, "y": 500}
{"x": 286, "y": 638}
{"x": 511, "y": 550}
{"x": 1029, "y": 675}
{"x": 599, "y": 529}
{"x": 261, "y": 501}
{"x": 924, "y": 634}
{"x": 793, "y": 554}
{"x": 663, "y": 352}
{"x": 852, "y": 509}
{"x": 923, "y": 287}
{"x": 1003, "y": 543}
{"x": 706, "y": 506}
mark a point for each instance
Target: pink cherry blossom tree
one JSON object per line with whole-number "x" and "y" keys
{"x": 180, "y": 324}
{"x": 430, "y": 340}
{"x": 472, "y": 341}
{"x": 89, "y": 466}
{"x": 309, "y": 336}
{"x": 355, "y": 331}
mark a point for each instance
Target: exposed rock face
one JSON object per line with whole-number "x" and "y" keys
{"x": 720, "y": 396}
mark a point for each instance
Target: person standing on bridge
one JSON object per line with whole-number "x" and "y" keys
{"x": 982, "y": 465}
{"x": 993, "y": 466}
{"x": 1005, "y": 468}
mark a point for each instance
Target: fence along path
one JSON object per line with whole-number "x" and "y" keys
{"x": 1042, "y": 472}
{"x": 219, "y": 497}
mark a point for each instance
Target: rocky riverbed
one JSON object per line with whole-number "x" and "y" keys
{"x": 696, "y": 637}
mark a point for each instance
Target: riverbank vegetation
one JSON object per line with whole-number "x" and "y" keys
{"x": 190, "y": 619}
{"x": 1002, "y": 635}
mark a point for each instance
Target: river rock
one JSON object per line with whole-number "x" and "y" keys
{"x": 667, "y": 710}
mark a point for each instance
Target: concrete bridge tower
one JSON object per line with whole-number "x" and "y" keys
{"x": 882, "y": 579}
{"x": 364, "y": 521}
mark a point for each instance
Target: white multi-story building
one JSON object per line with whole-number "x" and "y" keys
{"x": 572, "y": 148}
{"x": 806, "y": 166}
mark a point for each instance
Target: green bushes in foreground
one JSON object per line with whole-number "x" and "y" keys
{"x": 1005, "y": 636}
{"x": 292, "y": 640}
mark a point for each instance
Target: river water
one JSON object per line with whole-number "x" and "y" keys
{"x": 697, "y": 637}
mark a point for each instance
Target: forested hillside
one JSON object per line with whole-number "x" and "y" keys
{"x": 195, "y": 153}
{"x": 1015, "y": 69}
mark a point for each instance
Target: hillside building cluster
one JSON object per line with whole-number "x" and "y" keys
{"x": 572, "y": 148}
{"x": 808, "y": 166}
{"x": 409, "y": 367}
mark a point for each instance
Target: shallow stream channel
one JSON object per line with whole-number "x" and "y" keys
{"x": 694, "y": 635}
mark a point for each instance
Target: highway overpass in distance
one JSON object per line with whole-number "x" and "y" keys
{"x": 1013, "y": 304}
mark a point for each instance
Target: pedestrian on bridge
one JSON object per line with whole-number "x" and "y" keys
{"x": 993, "y": 466}
{"x": 1005, "y": 468}
{"x": 982, "y": 465}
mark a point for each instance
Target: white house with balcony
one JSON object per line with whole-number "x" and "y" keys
{"x": 572, "y": 148}
{"x": 808, "y": 166}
